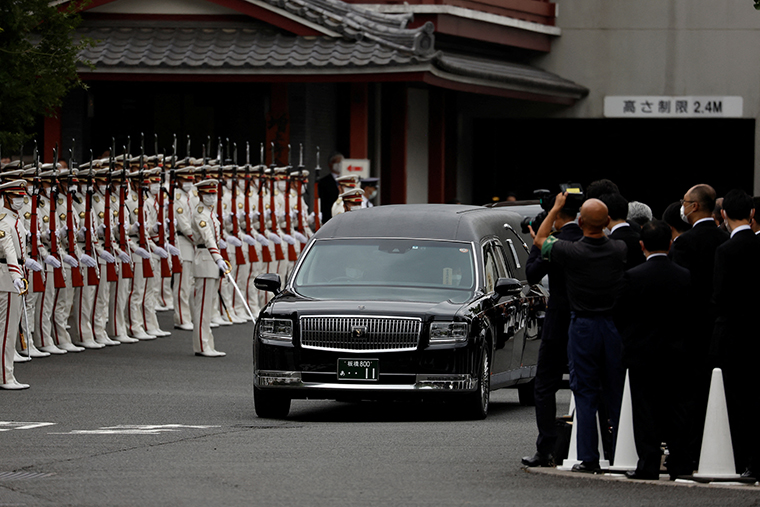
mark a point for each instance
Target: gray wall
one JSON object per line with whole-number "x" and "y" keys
{"x": 658, "y": 47}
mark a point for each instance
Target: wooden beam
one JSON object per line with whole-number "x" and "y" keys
{"x": 359, "y": 123}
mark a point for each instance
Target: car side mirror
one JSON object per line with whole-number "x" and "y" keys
{"x": 508, "y": 287}
{"x": 269, "y": 282}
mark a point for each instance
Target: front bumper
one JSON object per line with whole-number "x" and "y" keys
{"x": 294, "y": 380}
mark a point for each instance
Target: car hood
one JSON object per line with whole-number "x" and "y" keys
{"x": 292, "y": 305}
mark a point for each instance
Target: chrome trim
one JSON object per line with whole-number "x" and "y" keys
{"x": 334, "y": 333}
{"x": 514, "y": 252}
{"x": 423, "y": 382}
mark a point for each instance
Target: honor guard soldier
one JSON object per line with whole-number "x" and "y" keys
{"x": 12, "y": 283}
{"x": 345, "y": 183}
{"x": 183, "y": 214}
{"x": 208, "y": 264}
{"x": 155, "y": 284}
{"x": 232, "y": 204}
{"x": 351, "y": 199}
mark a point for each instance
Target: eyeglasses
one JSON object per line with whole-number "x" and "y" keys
{"x": 684, "y": 201}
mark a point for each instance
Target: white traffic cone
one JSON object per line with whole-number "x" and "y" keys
{"x": 626, "y": 457}
{"x": 572, "y": 454}
{"x": 716, "y": 460}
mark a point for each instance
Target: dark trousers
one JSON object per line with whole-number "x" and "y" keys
{"x": 552, "y": 364}
{"x": 595, "y": 357}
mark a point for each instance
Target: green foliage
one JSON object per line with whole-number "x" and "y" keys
{"x": 38, "y": 63}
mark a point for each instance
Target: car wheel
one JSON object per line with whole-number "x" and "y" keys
{"x": 526, "y": 393}
{"x": 475, "y": 406}
{"x": 270, "y": 405}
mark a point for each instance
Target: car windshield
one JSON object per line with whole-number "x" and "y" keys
{"x": 387, "y": 269}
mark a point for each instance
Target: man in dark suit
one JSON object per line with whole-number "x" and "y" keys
{"x": 620, "y": 229}
{"x": 328, "y": 187}
{"x": 647, "y": 317}
{"x": 735, "y": 341}
{"x": 552, "y": 354}
{"x": 695, "y": 251}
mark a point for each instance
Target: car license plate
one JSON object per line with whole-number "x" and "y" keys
{"x": 358, "y": 369}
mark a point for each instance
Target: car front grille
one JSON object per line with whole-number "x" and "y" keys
{"x": 360, "y": 334}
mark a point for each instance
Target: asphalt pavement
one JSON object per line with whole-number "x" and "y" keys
{"x": 152, "y": 424}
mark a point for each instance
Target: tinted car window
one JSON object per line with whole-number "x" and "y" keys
{"x": 491, "y": 271}
{"x": 390, "y": 269}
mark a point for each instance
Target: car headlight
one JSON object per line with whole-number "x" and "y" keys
{"x": 443, "y": 333}
{"x": 276, "y": 332}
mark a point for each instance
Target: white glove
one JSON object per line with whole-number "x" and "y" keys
{"x": 123, "y": 256}
{"x": 310, "y": 218}
{"x": 61, "y": 232}
{"x": 101, "y": 229}
{"x": 228, "y": 218}
{"x": 232, "y": 240}
{"x": 18, "y": 284}
{"x": 155, "y": 227}
{"x": 255, "y": 215}
{"x": 173, "y": 250}
{"x": 33, "y": 265}
{"x": 222, "y": 265}
{"x": 44, "y": 236}
{"x": 88, "y": 261}
{"x": 241, "y": 214}
{"x": 52, "y": 261}
{"x": 267, "y": 214}
{"x": 300, "y": 237}
{"x": 142, "y": 253}
{"x": 249, "y": 239}
{"x": 288, "y": 239}
{"x": 261, "y": 239}
{"x": 71, "y": 261}
{"x": 222, "y": 244}
{"x": 134, "y": 228}
{"x": 106, "y": 256}
{"x": 80, "y": 234}
{"x": 160, "y": 252}
{"x": 274, "y": 238}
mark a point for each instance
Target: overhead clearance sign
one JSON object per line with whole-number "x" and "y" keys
{"x": 672, "y": 107}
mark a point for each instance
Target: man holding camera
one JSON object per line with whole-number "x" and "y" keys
{"x": 594, "y": 268}
{"x": 552, "y": 355}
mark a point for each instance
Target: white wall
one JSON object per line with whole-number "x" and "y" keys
{"x": 417, "y": 147}
{"x": 659, "y": 47}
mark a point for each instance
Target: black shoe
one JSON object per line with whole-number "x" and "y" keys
{"x": 587, "y": 467}
{"x": 635, "y": 474}
{"x": 538, "y": 460}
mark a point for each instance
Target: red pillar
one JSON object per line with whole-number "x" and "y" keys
{"x": 52, "y": 135}
{"x": 278, "y": 124}
{"x": 436, "y": 146}
{"x": 359, "y": 123}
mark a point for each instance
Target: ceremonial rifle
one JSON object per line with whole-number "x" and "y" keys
{"x": 142, "y": 234}
{"x": 219, "y": 205}
{"x": 126, "y": 267}
{"x": 172, "y": 240}
{"x": 166, "y": 270}
{"x": 76, "y": 274}
{"x": 239, "y": 257}
{"x": 266, "y": 254}
{"x": 278, "y": 253}
{"x": 93, "y": 277}
{"x": 292, "y": 254}
{"x": 316, "y": 194}
{"x": 299, "y": 205}
{"x": 59, "y": 282}
{"x": 38, "y": 282}
{"x": 111, "y": 274}
{"x": 252, "y": 256}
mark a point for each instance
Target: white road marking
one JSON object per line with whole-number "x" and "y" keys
{"x": 136, "y": 429}
{"x": 15, "y": 425}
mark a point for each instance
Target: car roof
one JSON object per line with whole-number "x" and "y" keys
{"x": 424, "y": 221}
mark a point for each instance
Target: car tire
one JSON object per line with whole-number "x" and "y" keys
{"x": 475, "y": 405}
{"x": 526, "y": 393}
{"x": 270, "y": 405}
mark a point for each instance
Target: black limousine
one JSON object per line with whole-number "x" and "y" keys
{"x": 402, "y": 301}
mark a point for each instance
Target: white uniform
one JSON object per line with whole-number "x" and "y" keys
{"x": 99, "y": 317}
{"x": 136, "y": 315}
{"x": 63, "y": 299}
{"x": 206, "y": 272}
{"x": 119, "y": 293}
{"x": 183, "y": 281}
{"x": 12, "y": 249}
{"x": 85, "y": 296}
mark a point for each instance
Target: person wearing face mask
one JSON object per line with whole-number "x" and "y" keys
{"x": 208, "y": 266}
{"x": 12, "y": 253}
{"x": 183, "y": 214}
{"x": 345, "y": 183}
{"x": 351, "y": 199}
{"x": 154, "y": 285}
{"x": 695, "y": 251}
{"x": 369, "y": 185}
{"x": 328, "y": 187}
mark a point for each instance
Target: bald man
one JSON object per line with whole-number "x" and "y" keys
{"x": 594, "y": 267}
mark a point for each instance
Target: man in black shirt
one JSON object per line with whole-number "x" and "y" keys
{"x": 552, "y": 354}
{"x": 617, "y": 207}
{"x": 594, "y": 269}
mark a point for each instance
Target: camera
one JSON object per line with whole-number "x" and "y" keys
{"x": 575, "y": 197}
